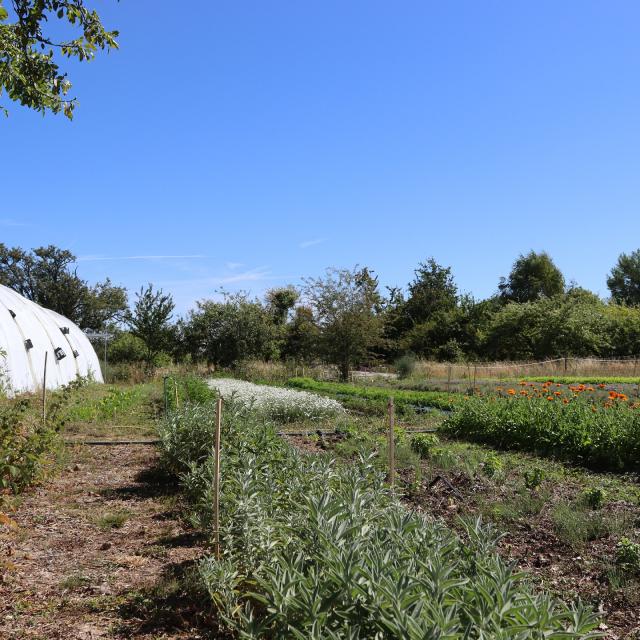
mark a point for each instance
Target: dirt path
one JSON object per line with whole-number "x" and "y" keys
{"x": 98, "y": 552}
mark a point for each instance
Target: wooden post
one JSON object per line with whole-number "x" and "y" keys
{"x": 565, "y": 363}
{"x": 475, "y": 371}
{"x": 166, "y": 398}
{"x": 392, "y": 443}
{"x": 44, "y": 390}
{"x": 449, "y": 379}
{"x": 175, "y": 384}
{"x": 216, "y": 479}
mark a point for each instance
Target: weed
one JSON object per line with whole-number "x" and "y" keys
{"x": 533, "y": 478}
{"x": 628, "y": 555}
{"x": 593, "y": 498}
{"x": 113, "y": 520}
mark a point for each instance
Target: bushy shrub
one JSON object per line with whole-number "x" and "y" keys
{"x": 25, "y": 445}
{"x": 405, "y": 365}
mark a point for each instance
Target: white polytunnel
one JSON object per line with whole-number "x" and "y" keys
{"x": 27, "y": 332}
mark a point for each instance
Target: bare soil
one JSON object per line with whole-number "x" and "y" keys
{"x": 100, "y": 552}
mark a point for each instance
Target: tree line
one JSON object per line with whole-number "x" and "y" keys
{"x": 344, "y": 317}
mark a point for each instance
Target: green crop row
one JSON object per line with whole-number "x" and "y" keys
{"x": 379, "y": 395}
{"x": 580, "y": 432}
{"x": 314, "y": 549}
{"x": 584, "y": 379}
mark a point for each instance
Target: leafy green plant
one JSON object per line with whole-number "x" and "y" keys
{"x": 628, "y": 555}
{"x": 492, "y": 466}
{"x": 424, "y": 443}
{"x": 533, "y": 478}
{"x": 593, "y": 498}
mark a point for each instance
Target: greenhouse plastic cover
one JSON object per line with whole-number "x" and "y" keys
{"x": 27, "y": 332}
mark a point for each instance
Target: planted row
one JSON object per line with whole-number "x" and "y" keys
{"x": 579, "y": 431}
{"x": 402, "y": 397}
{"x": 277, "y": 403}
{"x": 312, "y": 549}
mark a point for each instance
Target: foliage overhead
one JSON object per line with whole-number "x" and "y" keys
{"x": 30, "y": 72}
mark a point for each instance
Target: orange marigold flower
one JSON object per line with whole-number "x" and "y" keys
{"x": 565, "y": 401}
{"x": 549, "y": 397}
{"x": 613, "y": 394}
{"x": 511, "y": 392}
{"x": 522, "y": 383}
{"x": 622, "y": 397}
{"x": 590, "y": 389}
{"x": 601, "y": 386}
{"x": 557, "y": 393}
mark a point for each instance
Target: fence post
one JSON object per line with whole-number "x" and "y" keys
{"x": 475, "y": 371}
{"x": 216, "y": 479}
{"x": 565, "y": 363}
{"x": 164, "y": 392}
{"x": 175, "y": 384}
{"x": 449, "y": 379}
{"x": 44, "y": 390}
{"x": 392, "y": 443}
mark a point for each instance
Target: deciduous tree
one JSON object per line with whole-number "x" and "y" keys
{"x": 31, "y": 50}
{"x": 624, "y": 279}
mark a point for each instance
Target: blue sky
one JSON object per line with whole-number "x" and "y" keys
{"x": 248, "y": 144}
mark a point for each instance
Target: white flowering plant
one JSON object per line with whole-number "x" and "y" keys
{"x": 277, "y": 403}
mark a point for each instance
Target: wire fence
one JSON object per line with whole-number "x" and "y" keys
{"x": 606, "y": 367}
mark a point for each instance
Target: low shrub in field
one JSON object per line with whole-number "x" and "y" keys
{"x": 601, "y": 437}
{"x": 312, "y": 549}
{"x": 402, "y": 398}
{"x": 24, "y": 445}
{"x": 424, "y": 443}
{"x": 277, "y": 403}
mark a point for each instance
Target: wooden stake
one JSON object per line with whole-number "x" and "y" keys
{"x": 216, "y": 479}
{"x": 175, "y": 384}
{"x": 44, "y": 390}
{"x": 449, "y": 379}
{"x": 392, "y": 443}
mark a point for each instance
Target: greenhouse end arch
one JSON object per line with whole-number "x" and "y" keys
{"x": 28, "y": 332}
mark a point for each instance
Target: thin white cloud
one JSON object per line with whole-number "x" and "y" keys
{"x": 232, "y": 266}
{"x": 310, "y": 243}
{"x": 10, "y": 222}
{"x": 97, "y": 258}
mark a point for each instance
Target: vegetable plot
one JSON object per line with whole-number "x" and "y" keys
{"x": 313, "y": 549}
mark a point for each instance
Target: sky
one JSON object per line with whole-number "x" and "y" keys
{"x": 246, "y": 145}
